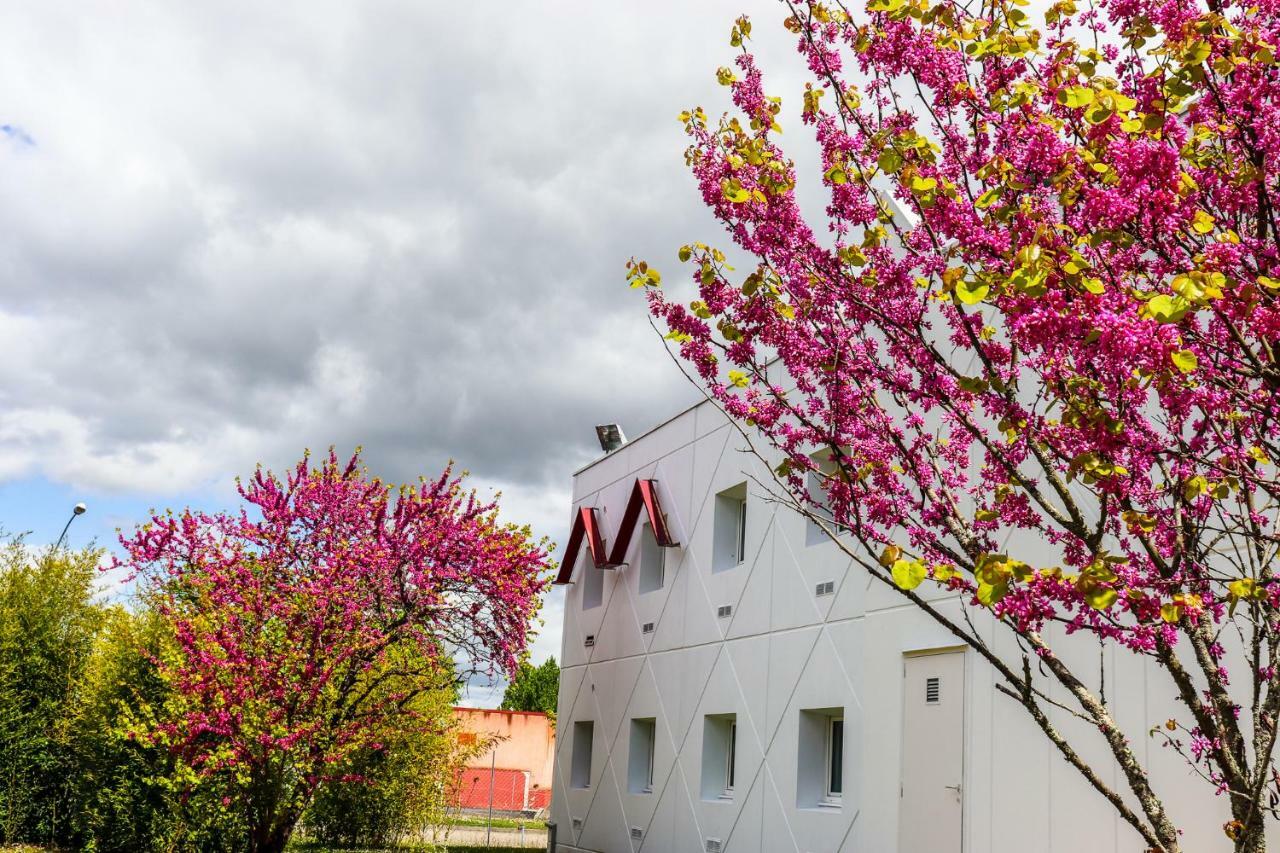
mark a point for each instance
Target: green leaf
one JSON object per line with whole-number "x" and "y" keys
{"x": 923, "y": 185}
{"x": 1100, "y": 597}
{"x": 908, "y": 574}
{"x": 890, "y": 161}
{"x": 836, "y": 175}
{"x": 989, "y": 197}
{"x": 1075, "y": 96}
{"x": 734, "y": 192}
{"x": 1167, "y": 309}
{"x": 991, "y": 593}
{"x": 971, "y": 295}
{"x": 1185, "y": 360}
{"x": 738, "y": 378}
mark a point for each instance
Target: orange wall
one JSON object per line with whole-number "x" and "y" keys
{"x": 530, "y": 740}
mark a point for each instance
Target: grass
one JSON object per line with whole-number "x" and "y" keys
{"x": 311, "y": 847}
{"x": 498, "y": 822}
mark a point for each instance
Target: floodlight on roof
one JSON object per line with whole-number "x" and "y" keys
{"x": 611, "y": 437}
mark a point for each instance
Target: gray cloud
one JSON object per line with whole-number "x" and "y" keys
{"x": 231, "y": 231}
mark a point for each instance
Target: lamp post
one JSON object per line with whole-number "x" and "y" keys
{"x": 78, "y": 509}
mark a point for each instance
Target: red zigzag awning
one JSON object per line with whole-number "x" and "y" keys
{"x": 587, "y": 526}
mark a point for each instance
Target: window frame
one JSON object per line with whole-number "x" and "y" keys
{"x": 741, "y": 538}
{"x": 731, "y": 759}
{"x": 834, "y": 761}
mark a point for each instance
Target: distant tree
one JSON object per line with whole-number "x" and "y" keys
{"x": 534, "y": 688}
{"x": 121, "y": 796}
{"x": 48, "y": 620}
{"x": 305, "y": 632}
{"x": 402, "y": 790}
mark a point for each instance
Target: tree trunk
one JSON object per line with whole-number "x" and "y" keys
{"x": 274, "y": 837}
{"x": 1253, "y": 842}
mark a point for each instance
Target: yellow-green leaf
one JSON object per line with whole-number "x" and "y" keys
{"x": 908, "y": 574}
{"x": 971, "y": 293}
{"x": 991, "y": 593}
{"x": 1075, "y": 96}
{"x": 923, "y": 185}
{"x": 1185, "y": 360}
{"x": 1167, "y": 309}
{"x": 1099, "y": 597}
{"x": 889, "y": 161}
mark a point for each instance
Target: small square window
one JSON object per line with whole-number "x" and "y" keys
{"x": 730, "y": 546}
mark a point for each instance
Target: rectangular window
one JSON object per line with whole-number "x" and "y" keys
{"x": 820, "y": 759}
{"x": 580, "y": 767}
{"x": 816, "y": 483}
{"x": 835, "y": 758}
{"x": 640, "y": 765}
{"x": 592, "y": 585}
{"x": 730, "y": 546}
{"x": 652, "y": 561}
{"x": 733, "y": 757}
{"x": 719, "y": 756}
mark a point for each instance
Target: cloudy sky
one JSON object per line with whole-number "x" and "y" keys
{"x": 232, "y": 231}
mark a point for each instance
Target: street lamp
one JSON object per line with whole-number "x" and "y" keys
{"x": 78, "y": 509}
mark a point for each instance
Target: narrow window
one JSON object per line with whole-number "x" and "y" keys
{"x": 652, "y": 561}
{"x": 820, "y": 759}
{"x": 640, "y": 764}
{"x": 733, "y": 757}
{"x": 719, "y": 756}
{"x": 835, "y": 758}
{"x": 580, "y": 767}
{"x": 592, "y": 585}
{"x": 730, "y": 533}
{"x": 816, "y": 483}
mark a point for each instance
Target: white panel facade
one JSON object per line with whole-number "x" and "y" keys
{"x": 806, "y": 637}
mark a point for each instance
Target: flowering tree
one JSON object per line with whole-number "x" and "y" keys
{"x": 1042, "y": 307}
{"x": 305, "y": 632}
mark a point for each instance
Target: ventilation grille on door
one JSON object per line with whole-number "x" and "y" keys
{"x": 932, "y": 690}
{"x": 636, "y": 833}
{"x": 826, "y": 588}
{"x": 724, "y": 610}
{"x": 589, "y": 641}
{"x": 646, "y": 628}
{"x": 713, "y": 845}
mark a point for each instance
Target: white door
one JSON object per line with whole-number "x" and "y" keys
{"x": 929, "y": 814}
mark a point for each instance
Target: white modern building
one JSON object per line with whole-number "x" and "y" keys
{"x": 733, "y": 684}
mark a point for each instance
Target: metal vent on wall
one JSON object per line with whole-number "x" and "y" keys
{"x": 826, "y": 588}
{"x": 637, "y": 833}
{"x": 724, "y": 610}
{"x": 713, "y": 845}
{"x": 646, "y": 628}
{"x": 932, "y": 690}
{"x": 590, "y": 640}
